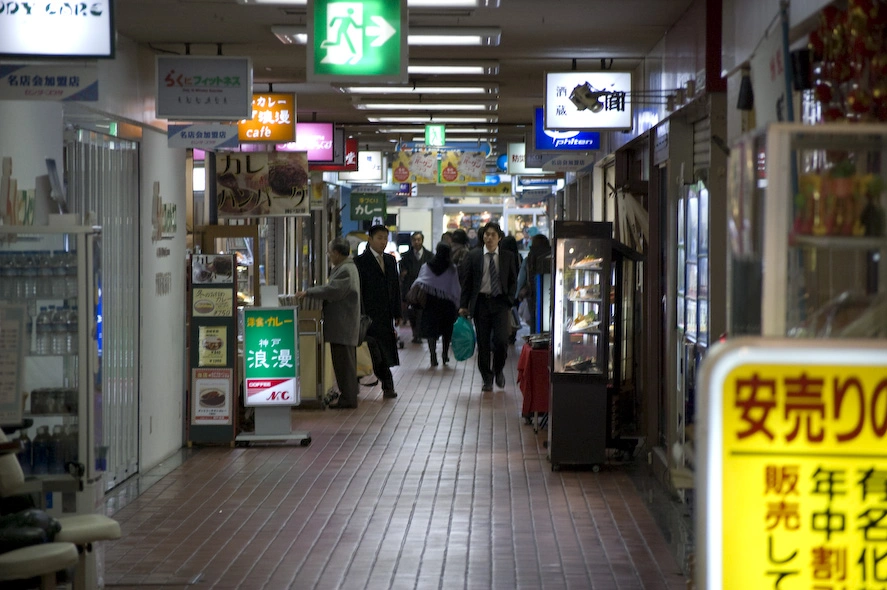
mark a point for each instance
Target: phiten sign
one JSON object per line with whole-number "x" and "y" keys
{"x": 792, "y": 480}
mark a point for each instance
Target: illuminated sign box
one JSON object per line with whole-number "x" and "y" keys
{"x": 273, "y": 119}
{"x": 316, "y": 139}
{"x": 200, "y": 88}
{"x": 588, "y": 100}
{"x": 57, "y": 30}
{"x": 271, "y": 356}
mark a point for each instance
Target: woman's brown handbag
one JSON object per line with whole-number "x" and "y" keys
{"x": 416, "y": 297}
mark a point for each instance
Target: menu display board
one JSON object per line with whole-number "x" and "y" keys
{"x": 271, "y": 356}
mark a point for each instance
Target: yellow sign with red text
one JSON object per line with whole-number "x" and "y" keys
{"x": 794, "y": 470}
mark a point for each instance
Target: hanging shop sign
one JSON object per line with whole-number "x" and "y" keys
{"x": 458, "y": 167}
{"x": 271, "y": 356}
{"x": 360, "y": 40}
{"x": 261, "y": 184}
{"x": 349, "y": 157}
{"x": 550, "y": 140}
{"x": 273, "y": 119}
{"x": 370, "y": 168}
{"x": 315, "y": 139}
{"x": 202, "y": 136}
{"x": 368, "y": 206}
{"x": 588, "y": 100}
{"x": 793, "y": 471}
{"x": 500, "y": 190}
{"x": 56, "y": 29}
{"x": 200, "y": 88}
{"x": 517, "y": 160}
{"x": 418, "y": 167}
{"x": 57, "y": 82}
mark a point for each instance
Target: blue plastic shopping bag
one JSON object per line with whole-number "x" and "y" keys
{"x": 463, "y": 339}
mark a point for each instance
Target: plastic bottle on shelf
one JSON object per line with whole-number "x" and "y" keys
{"x": 71, "y": 443}
{"x": 58, "y": 275}
{"x": 45, "y": 262}
{"x": 18, "y": 275}
{"x": 70, "y": 273}
{"x": 7, "y": 281}
{"x": 24, "y": 455}
{"x": 57, "y": 450}
{"x": 58, "y": 341}
{"x": 71, "y": 330}
{"x": 29, "y": 275}
{"x": 41, "y": 451}
{"x": 44, "y": 331}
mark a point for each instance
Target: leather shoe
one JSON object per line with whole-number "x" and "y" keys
{"x": 500, "y": 379}
{"x": 487, "y": 387}
{"x": 389, "y": 394}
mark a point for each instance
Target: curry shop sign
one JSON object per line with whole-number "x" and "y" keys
{"x": 792, "y": 477}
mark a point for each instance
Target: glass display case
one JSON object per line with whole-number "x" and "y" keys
{"x": 52, "y": 276}
{"x": 580, "y": 352}
{"x": 807, "y": 243}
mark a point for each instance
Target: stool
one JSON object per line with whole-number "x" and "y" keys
{"x": 42, "y": 560}
{"x": 83, "y": 530}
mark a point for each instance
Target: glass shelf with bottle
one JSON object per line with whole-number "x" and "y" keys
{"x": 579, "y": 311}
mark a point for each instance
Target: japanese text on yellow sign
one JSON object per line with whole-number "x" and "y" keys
{"x": 805, "y": 477}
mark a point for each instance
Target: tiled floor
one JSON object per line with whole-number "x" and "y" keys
{"x": 444, "y": 487}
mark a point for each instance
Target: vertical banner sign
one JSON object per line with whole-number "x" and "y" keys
{"x": 793, "y": 476}
{"x": 271, "y": 356}
{"x": 358, "y": 40}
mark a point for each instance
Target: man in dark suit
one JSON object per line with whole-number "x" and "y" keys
{"x": 380, "y": 293}
{"x": 410, "y": 263}
{"x": 489, "y": 277}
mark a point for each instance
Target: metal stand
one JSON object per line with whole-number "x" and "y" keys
{"x": 274, "y": 424}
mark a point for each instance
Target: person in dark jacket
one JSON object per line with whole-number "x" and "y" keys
{"x": 439, "y": 280}
{"x": 537, "y": 262}
{"x": 509, "y": 242}
{"x": 410, "y": 263}
{"x": 489, "y": 278}
{"x": 380, "y": 293}
{"x": 341, "y": 319}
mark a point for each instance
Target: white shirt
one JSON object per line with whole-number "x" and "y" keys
{"x": 485, "y": 280}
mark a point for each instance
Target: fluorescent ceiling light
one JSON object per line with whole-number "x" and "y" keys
{"x": 461, "y": 139}
{"x": 464, "y": 36}
{"x": 422, "y": 89}
{"x": 291, "y": 34}
{"x": 449, "y": 130}
{"x": 429, "y": 36}
{"x": 365, "y": 104}
{"x": 414, "y": 119}
{"x": 474, "y": 68}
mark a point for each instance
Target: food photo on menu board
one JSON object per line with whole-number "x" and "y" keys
{"x": 212, "y": 269}
{"x": 212, "y": 302}
{"x": 212, "y": 346}
{"x": 212, "y": 395}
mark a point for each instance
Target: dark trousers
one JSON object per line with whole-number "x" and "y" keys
{"x": 414, "y": 317}
{"x": 380, "y": 367}
{"x": 344, "y": 360}
{"x": 493, "y": 330}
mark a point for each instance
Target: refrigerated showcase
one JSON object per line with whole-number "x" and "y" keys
{"x": 807, "y": 243}
{"x": 588, "y": 343}
{"x": 52, "y": 277}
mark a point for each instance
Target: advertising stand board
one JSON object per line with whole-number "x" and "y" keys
{"x": 792, "y": 465}
{"x": 271, "y": 373}
{"x": 212, "y": 402}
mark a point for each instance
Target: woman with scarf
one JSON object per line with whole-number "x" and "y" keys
{"x": 439, "y": 280}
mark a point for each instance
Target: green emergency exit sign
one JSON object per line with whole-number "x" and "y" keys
{"x": 358, "y": 40}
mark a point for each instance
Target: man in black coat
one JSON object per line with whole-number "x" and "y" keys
{"x": 410, "y": 263}
{"x": 489, "y": 279}
{"x": 380, "y": 293}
